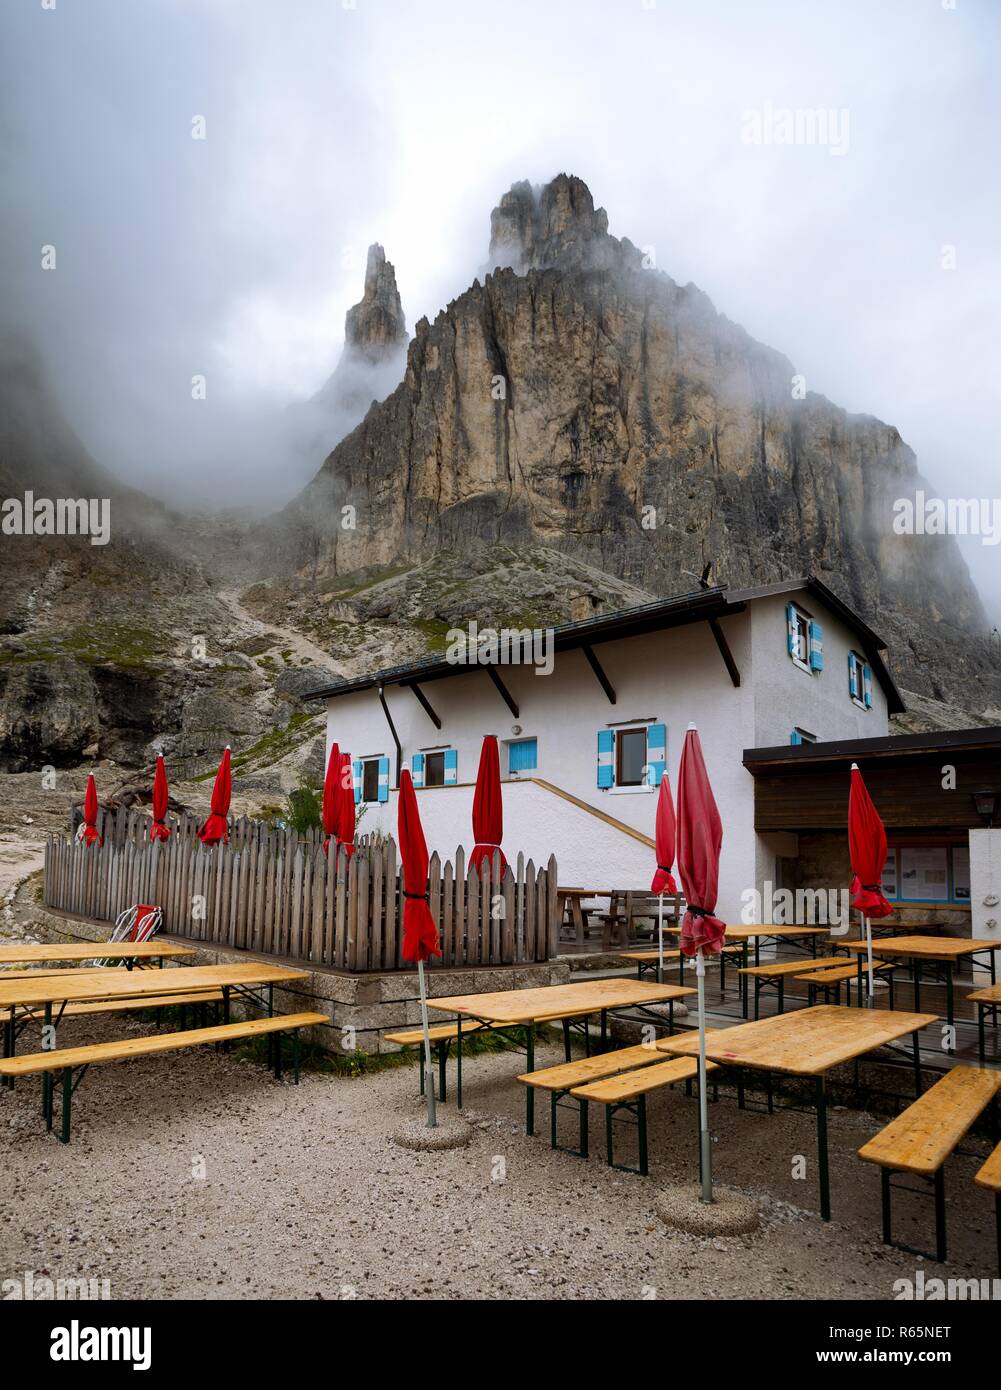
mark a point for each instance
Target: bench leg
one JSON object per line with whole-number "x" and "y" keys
{"x": 566, "y": 1039}
{"x": 609, "y": 1144}
{"x": 458, "y": 1064}
{"x": 917, "y": 1064}
{"x": 981, "y": 1034}
{"x": 885, "y": 1196}
{"x": 949, "y": 995}
{"x": 583, "y": 1135}
{"x": 67, "y": 1104}
{"x": 641, "y": 1122}
{"x": 442, "y": 1055}
{"x": 530, "y": 1090}
{"x": 822, "y": 1158}
{"x": 782, "y": 995}
{"x": 420, "y": 1053}
{"x": 278, "y": 1056}
{"x": 940, "y": 1215}
{"x": 295, "y": 1056}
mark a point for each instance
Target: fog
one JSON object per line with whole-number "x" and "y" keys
{"x": 329, "y": 126}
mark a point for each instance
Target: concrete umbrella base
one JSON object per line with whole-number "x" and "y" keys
{"x": 450, "y": 1132}
{"x": 732, "y": 1213}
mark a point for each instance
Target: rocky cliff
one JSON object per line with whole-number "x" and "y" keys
{"x": 580, "y": 401}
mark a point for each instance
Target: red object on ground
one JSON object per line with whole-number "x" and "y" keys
{"x": 216, "y": 827}
{"x": 159, "y": 831}
{"x": 330, "y": 796}
{"x": 420, "y": 935}
{"x": 663, "y": 879}
{"x": 141, "y": 927}
{"x": 88, "y": 831}
{"x": 346, "y": 806}
{"x": 867, "y": 848}
{"x": 488, "y": 810}
{"x": 700, "y": 835}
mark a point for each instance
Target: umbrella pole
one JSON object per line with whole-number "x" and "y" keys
{"x": 660, "y": 939}
{"x": 868, "y": 952}
{"x": 704, "y": 1151}
{"x": 429, "y": 1082}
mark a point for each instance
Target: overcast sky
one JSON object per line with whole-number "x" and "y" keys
{"x": 331, "y": 125}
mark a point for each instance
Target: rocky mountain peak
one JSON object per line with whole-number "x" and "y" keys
{"x": 535, "y": 228}
{"x": 375, "y": 327}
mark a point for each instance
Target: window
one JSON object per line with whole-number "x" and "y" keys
{"x": 437, "y": 767}
{"x": 801, "y": 736}
{"x": 630, "y": 757}
{"x": 370, "y": 779}
{"x": 859, "y": 680}
{"x": 805, "y": 639}
{"x": 522, "y": 756}
{"x": 434, "y": 770}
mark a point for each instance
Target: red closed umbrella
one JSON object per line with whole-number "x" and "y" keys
{"x": 330, "y": 796}
{"x": 488, "y": 810}
{"x": 88, "y": 830}
{"x": 159, "y": 831}
{"x": 867, "y": 850}
{"x": 663, "y": 879}
{"x": 420, "y": 935}
{"x": 700, "y": 837}
{"x": 346, "y": 806}
{"x": 216, "y": 827}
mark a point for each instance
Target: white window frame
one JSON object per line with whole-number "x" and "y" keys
{"x": 643, "y": 787}
{"x": 373, "y": 758}
{"x": 860, "y": 665}
{"x": 803, "y": 662}
{"x": 506, "y": 774}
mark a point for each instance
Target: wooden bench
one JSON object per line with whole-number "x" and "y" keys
{"x": 990, "y": 1177}
{"x": 628, "y": 1091}
{"x": 560, "y": 1080}
{"x": 648, "y": 959}
{"x": 774, "y": 973}
{"x": 988, "y": 1001}
{"x": 923, "y": 1136}
{"x": 441, "y": 1036}
{"x": 831, "y": 980}
{"x": 626, "y": 908}
{"x": 117, "y": 1006}
{"x": 68, "y": 1060}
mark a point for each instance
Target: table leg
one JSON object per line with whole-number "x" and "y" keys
{"x": 949, "y": 994}
{"x": 997, "y": 1225}
{"x": 530, "y": 1090}
{"x": 47, "y": 1083}
{"x": 917, "y": 1063}
{"x": 916, "y": 974}
{"x": 782, "y": 995}
{"x": 822, "y": 1156}
{"x": 578, "y": 921}
{"x": 744, "y": 986}
{"x": 981, "y": 1034}
{"x": 604, "y": 1029}
{"x": 458, "y": 1063}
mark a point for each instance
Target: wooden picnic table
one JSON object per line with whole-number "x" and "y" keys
{"x": 988, "y": 1001}
{"x": 515, "y": 1008}
{"x": 569, "y": 901}
{"x": 744, "y": 933}
{"x": 808, "y": 1043}
{"x": 942, "y": 951}
{"x": 111, "y": 983}
{"x": 127, "y": 951}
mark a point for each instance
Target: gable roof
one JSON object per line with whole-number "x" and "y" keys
{"x": 699, "y": 605}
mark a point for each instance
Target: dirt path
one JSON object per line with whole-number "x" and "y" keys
{"x": 285, "y": 638}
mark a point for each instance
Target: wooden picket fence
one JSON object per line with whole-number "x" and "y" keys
{"x": 125, "y": 825}
{"x": 283, "y": 897}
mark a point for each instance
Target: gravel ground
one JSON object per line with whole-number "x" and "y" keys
{"x": 196, "y": 1176}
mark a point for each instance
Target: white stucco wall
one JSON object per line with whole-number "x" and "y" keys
{"x": 985, "y": 883}
{"x": 673, "y": 677}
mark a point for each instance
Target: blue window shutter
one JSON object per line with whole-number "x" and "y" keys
{"x": 417, "y": 769}
{"x": 356, "y": 769}
{"x": 606, "y": 755}
{"x": 867, "y": 685}
{"x": 791, "y": 628}
{"x": 795, "y": 737}
{"x": 523, "y": 756}
{"x": 853, "y": 676}
{"x": 656, "y": 753}
{"x": 451, "y": 767}
{"x": 816, "y": 647}
{"x": 383, "y": 779}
